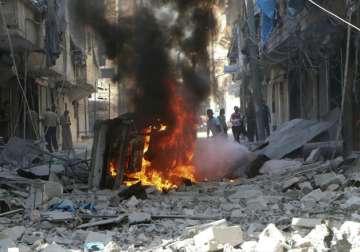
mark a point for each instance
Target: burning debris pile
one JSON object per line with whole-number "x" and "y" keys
{"x": 162, "y": 51}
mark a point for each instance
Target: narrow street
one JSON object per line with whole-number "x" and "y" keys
{"x": 190, "y": 126}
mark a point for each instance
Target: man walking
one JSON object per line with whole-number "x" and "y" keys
{"x": 236, "y": 124}
{"x": 50, "y": 121}
{"x": 213, "y": 124}
{"x": 222, "y": 120}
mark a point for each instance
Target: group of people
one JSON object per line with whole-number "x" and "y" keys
{"x": 244, "y": 125}
{"x": 51, "y": 121}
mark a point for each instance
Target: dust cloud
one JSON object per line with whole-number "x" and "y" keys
{"x": 221, "y": 157}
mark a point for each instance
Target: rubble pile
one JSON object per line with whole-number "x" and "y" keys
{"x": 291, "y": 207}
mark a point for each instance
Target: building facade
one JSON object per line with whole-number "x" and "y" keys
{"x": 305, "y": 57}
{"x": 47, "y": 61}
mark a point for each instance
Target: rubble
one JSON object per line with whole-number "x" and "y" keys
{"x": 214, "y": 238}
{"x": 311, "y": 207}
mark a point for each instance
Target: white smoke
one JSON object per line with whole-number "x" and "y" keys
{"x": 221, "y": 157}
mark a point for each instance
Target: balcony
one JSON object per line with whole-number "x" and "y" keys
{"x": 309, "y": 27}
{"x": 25, "y": 26}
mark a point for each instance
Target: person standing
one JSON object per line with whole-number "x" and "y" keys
{"x": 51, "y": 121}
{"x": 213, "y": 124}
{"x": 222, "y": 120}
{"x": 65, "y": 122}
{"x": 267, "y": 117}
{"x": 236, "y": 124}
{"x": 251, "y": 121}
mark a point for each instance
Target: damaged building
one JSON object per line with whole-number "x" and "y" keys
{"x": 48, "y": 61}
{"x": 303, "y": 58}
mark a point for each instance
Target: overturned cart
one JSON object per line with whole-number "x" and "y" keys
{"x": 117, "y": 150}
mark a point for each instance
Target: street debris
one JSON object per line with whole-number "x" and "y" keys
{"x": 293, "y": 206}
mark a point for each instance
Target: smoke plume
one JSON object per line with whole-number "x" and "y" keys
{"x": 149, "y": 51}
{"x": 220, "y": 157}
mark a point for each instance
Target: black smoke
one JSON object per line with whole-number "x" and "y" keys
{"x": 142, "y": 46}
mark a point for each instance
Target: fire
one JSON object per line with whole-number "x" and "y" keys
{"x": 112, "y": 170}
{"x": 173, "y": 148}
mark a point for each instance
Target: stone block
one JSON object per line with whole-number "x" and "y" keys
{"x": 324, "y": 180}
{"x": 271, "y": 240}
{"x": 305, "y": 222}
{"x": 214, "y": 238}
{"x": 135, "y": 218}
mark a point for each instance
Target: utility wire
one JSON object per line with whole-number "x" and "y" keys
{"x": 334, "y": 15}
{"x": 3, "y": 19}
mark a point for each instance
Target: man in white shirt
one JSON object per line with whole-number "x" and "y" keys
{"x": 213, "y": 124}
{"x": 50, "y": 121}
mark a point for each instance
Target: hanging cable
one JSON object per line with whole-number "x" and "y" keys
{"x": 334, "y": 15}
{"x": 15, "y": 66}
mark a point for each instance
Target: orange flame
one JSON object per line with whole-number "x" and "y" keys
{"x": 177, "y": 143}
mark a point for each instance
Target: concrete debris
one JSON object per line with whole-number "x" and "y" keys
{"x": 313, "y": 208}
{"x": 279, "y": 166}
{"x": 324, "y": 180}
{"x": 271, "y": 240}
{"x": 314, "y": 156}
{"x": 214, "y": 238}
{"x": 136, "y": 218}
{"x": 289, "y": 183}
{"x": 306, "y": 187}
{"x": 55, "y": 248}
{"x": 317, "y": 196}
{"x": 305, "y": 222}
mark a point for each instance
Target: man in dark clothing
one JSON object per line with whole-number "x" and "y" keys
{"x": 267, "y": 117}
{"x": 251, "y": 122}
{"x": 236, "y": 124}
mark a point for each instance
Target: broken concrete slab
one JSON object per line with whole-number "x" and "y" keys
{"x": 132, "y": 202}
{"x": 31, "y": 238}
{"x": 326, "y": 179}
{"x": 271, "y": 240}
{"x": 57, "y": 216}
{"x": 6, "y": 244}
{"x": 215, "y": 238}
{"x": 136, "y": 218}
{"x": 316, "y": 238}
{"x": 13, "y": 233}
{"x": 314, "y": 156}
{"x": 292, "y": 135}
{"x": 54, "y": 248}
{"x": 306, "y": 187}
{"x": 273, "y": 167}
{"x": 333, "y": 187}
{"x": 305, "y": 222}
{"x": 245, "y": 192}
{"x": 258, "y": 203}
{"x": 352, "y": 203}
{"x": 310, "y": 200}
{"x": 249, "y": 246}
{"x": 103, "y": 222}
{"x": 112, "y": 247}
{"x": 289, "y": 183}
